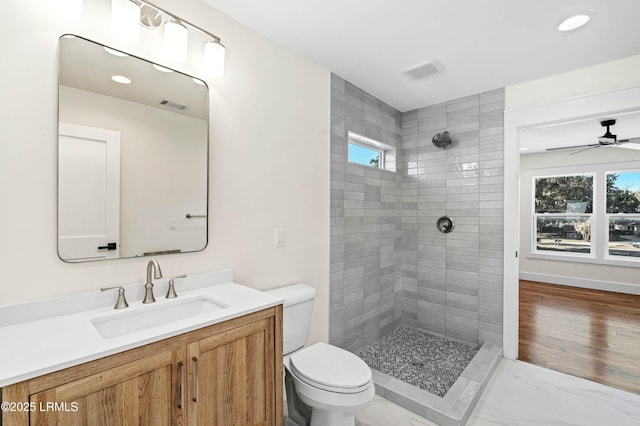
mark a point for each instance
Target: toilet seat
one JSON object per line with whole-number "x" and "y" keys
{"x": 331, "y": 369}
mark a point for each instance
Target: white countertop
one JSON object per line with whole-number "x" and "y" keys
{"x": 44, "y": 336}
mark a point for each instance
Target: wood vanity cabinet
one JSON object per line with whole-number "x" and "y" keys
{"x": 227, "y": 374}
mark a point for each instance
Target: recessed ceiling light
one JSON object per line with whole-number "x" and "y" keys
{"x": 163, "y": 69}
{"x": 121, "y": 79}
{"x": 573, "y": 22}
{"x": 115, "y": 52}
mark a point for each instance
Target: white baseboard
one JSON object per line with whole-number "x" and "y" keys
{"x": 583, "y": 283}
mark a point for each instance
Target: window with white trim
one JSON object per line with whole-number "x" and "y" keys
{"x": 563, "y": 209}
{"x": 371, "y": 153}
{"x": 587, "y": 214}
{"x": 623, "y": 214}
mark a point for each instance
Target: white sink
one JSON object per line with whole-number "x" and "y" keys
{"x": 145, "y": 317}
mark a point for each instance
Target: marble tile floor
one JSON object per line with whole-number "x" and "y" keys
{"x": 521, "y": 394}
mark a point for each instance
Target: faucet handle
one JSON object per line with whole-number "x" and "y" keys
{"x": 171, "y": 292}
{"x": 121, "y": 303}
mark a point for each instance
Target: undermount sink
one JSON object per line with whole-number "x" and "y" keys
{"x": 146, "y": 317}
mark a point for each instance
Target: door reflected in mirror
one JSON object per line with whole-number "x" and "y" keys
{"x": 132, "y": 156}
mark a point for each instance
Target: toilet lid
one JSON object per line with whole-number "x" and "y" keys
{"x": 331, "y": 368}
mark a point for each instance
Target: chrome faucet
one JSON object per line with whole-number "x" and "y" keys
{"x": 148, "y": 287}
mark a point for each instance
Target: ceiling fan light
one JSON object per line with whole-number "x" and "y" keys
{"x": 608, "y": 137}
{"x": 573, "y": 22}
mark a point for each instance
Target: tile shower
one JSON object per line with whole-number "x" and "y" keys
{"x": 390, "y": 266}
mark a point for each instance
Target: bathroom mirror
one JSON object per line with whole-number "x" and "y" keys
{"x": 132, "y": 156}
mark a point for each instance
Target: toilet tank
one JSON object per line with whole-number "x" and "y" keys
{"x": 298, "y": 306}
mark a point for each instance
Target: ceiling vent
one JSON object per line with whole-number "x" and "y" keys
{"x": 174, "y": 105}
{"x": 424, "y": 70}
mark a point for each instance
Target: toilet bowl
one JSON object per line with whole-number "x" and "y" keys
{"x": 334, "y": 383}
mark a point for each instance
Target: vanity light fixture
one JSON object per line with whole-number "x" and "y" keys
{"x": 127, "y": 14}
{"x": 574, "y": 22}
{"x": 176, "y": 40}
{"x": 125, "y": 20}
{"x": 68, "y": 9}
{"x": 121, "y": 79}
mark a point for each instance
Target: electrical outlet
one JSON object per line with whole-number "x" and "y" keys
{"x": 278, "y": 237}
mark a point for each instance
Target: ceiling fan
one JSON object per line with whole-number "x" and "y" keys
{"x": 608, "y": 139}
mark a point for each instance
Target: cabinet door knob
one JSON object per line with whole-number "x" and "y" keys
{"x": 197, "y": 381}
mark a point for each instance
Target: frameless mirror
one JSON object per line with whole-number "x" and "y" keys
{"x": 132, "y": 156}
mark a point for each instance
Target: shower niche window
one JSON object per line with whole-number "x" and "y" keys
{"x": 371, "y": 153}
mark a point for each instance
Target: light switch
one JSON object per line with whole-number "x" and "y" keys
{"x": 173, "y": 224}
{"x": 278, "y": 237}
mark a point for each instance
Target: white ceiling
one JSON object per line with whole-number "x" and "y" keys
{"x": 580, "y": 132}
{"x": 483, "y": 44}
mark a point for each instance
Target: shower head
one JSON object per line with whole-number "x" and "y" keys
{"x": 442, "y": 140}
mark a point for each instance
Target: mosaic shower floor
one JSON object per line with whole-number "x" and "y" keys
{"x": 429, "y": 362}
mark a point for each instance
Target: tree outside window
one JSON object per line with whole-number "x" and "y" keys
{"x": 564, "y": 214}
{"x": 623, "y": 213}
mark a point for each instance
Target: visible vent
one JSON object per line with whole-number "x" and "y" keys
{"x": 424, "y": 70}
{"x": 174, "y": 105}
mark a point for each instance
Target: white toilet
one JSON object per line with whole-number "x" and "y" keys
{"x": 335, "y": 383}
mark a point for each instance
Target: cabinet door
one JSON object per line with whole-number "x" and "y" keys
{"x": 231, "y": 377}
{"x": 136, "y": 393}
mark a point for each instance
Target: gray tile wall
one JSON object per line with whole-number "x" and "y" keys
{"x": 389, "y": 264}
{"x": 452, "y": 283}
{"x": 365, "y": 268}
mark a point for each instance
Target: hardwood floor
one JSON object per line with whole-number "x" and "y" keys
{"x": 586, "y": 333}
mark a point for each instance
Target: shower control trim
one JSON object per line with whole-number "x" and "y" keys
{"x": 445, "y": 224}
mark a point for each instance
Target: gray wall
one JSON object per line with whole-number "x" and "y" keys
{"x": 365, "y": 214}
{"x": 389, "y": 264}
{"x": 452, "y": 283}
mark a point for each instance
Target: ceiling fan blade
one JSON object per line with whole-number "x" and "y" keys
{"x": 630, "y": 140}
{"x": 631, "y": 143}
{"x": 587, "y": 149}
{"x": 574, "y": 147}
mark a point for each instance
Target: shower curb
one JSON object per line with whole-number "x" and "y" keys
{"x": 456, "y": 406}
